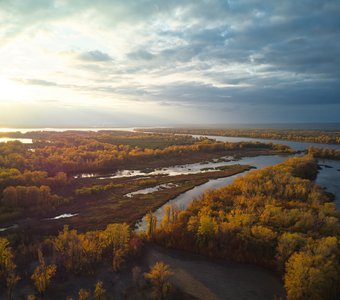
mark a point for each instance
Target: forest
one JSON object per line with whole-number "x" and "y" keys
{"x": 75, "y": 152}
{"x": 39, "y": 178}
{"x": 274, "y": 217}
{"x": 311, "y": 136}
{"x": 324, "y": 153}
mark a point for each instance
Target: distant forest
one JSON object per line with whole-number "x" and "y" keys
{"x": 311, "y": 136}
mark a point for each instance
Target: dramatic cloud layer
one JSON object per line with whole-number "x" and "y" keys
{"x": 110, "y": 62}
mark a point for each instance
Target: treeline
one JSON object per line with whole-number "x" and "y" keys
{"x": 274, "y": 217}
{"x": 14, "y": 177}
{"x": 86, "y": 155}
{"x": 311, "y": 136}
{"x": 29, "y": 192}
{"x": 142, "y": 140}
{"x": 326, "y": 153}
{"x": 30, "y": 199}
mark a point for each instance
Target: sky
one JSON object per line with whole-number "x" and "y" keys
{"x": 148, "y": 62}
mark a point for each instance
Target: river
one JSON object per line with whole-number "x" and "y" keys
{"x": 328, "y": 175}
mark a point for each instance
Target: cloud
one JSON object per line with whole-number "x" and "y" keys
{"x": 95, "y": 56}
{"x": 36, "y": 82}
{"x": 249, "y": 56}
{"x": 140, "y": 54}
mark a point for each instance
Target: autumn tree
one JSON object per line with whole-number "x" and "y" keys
{"x": 159, "y": 276}
{"x": 151, "y": 224}
{"x": 43, "y": 274}
{"x": 99, "y": 291}
{"x": 136, "y": 276}
{"x": 84, "y": 295}
{"x": 207, "y": 228}
{"x": 7, "y": 266}
{"x": 314, "y": 272}
{"x": 116, "y": 238}
{"x": 118, "y": 260}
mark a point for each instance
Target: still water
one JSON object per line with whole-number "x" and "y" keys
{"x": 183, "y": 200}
{"x": 24, "y": 141}
{"x": 328, "y": 176}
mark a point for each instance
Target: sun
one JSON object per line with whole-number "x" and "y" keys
{"x": 12, "y": 91}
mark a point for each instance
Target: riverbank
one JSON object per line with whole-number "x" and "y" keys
{"x": 195, "y": 277}
{"x": 309, "y": 136}
{"x": 95, "y": 211}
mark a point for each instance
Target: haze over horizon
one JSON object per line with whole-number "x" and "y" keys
{"x": 122, "y": 63}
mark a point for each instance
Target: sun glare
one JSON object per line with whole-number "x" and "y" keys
{"x": 13, "y": 91}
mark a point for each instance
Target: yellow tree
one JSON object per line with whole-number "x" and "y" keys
{"x": 116, "y": 238}
{"x": 43, "y": 274}
{"x": 99, "y": 291}
{"x": 151, "y": 224}
{"x": 118, "y": 260}
{"x": 206, "y": 229}
{"x": 159, "y": 276}
{"x": 84, "y": 294}
{"x": 7, "y": 266}
{"x": 171, "y": 213}
{"x": 314, "y": 273}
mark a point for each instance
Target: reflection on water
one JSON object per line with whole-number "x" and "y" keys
{"x": 63, "y": 216}
{"x": 152, "y": 189}
{"x": 8, "y": 228}
{"x": 330, "y": 178}
{"x": 169, "y": 171}
{"x": 24, "y": 141}
{"x": 183, "y": 200}
{"x": 298, "y": 146}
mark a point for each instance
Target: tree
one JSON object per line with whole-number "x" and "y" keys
{"x": 84, "y": 294}
{"x": 99, "y": 291}
{"x": 118, "y": 259}
{"x": 159, "y": 276}
{"x": 136, "y": 276}
{"x": 11, "y": 281}
{"x": 206, "y": 229}
{"x": 151, "y": 224}
{"x": 43, "y": 274}
{"x": 314, "y": 273}
{"x": 117, "y": 237}
{"x": 7, "y": 266}
{"x": 288, "y": 243}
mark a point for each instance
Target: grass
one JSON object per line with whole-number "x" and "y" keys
{"x": 96, "y": 211}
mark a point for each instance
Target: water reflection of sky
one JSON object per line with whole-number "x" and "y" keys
{"x": 24, "y": 141}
